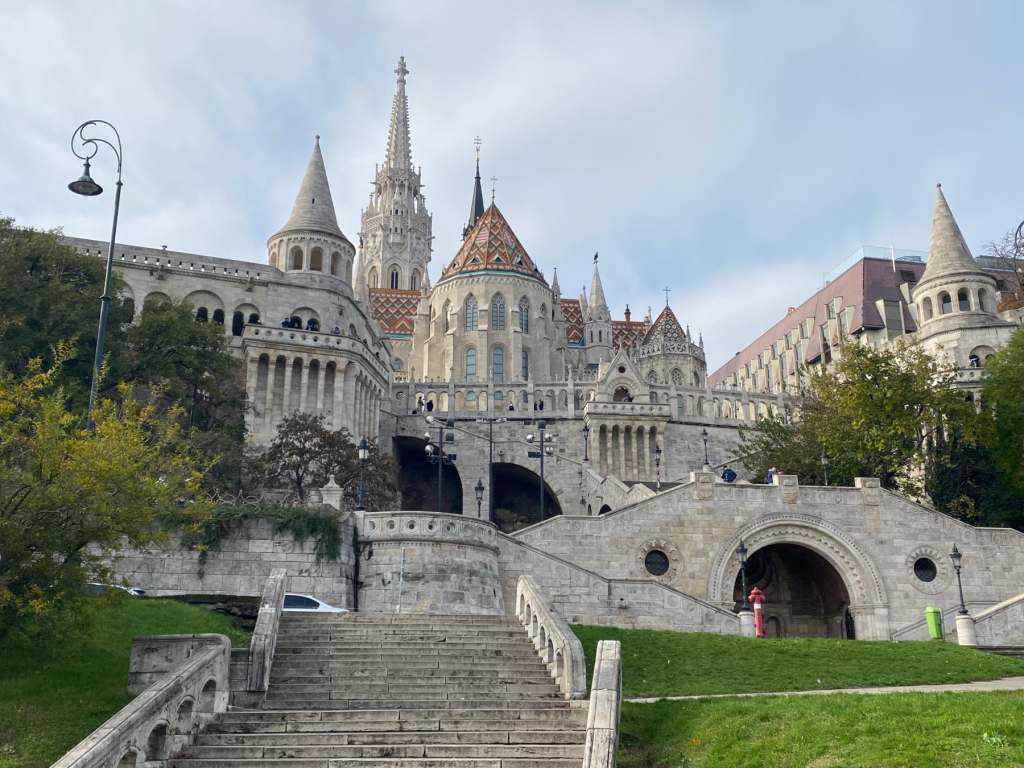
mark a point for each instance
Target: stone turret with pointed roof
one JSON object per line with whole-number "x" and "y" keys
{"x": 395, "y": 237}
{"x": 311, "y": 240}
{"x": 597, "y": 325}
{"x": 947, "y": 251}
{"x": 597, "y": 306}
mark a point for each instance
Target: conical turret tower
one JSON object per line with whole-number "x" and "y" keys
{"x": 597, "y": 325}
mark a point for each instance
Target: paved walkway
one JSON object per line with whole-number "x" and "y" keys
{"x": 980, "y": 686}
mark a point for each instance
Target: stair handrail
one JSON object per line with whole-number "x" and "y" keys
{"x": 555, "y": 642}
{"x": 605, "y": 702}
{"x": 264, "y": 635}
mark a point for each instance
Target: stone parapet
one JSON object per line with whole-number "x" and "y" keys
{"x": 558, "y": 647}
{"x": 605, "y": 703}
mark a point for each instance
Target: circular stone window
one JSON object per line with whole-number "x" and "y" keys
{"x": 925, "y": 569}
{"x": 656, "y": 562}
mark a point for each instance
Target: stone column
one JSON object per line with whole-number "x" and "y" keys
{"x": 269, "y": 415}
{"x": 747, "y": 623}
{"x": 320, "y": 381}
{"x": 338, "y": 399}
{"x": 304, "y": 385}
{"x": 620, "y": 471}
{"x": 965, "y": 631}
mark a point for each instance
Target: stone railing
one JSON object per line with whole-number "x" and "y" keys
{"x": 1002, "y": 624}
{"x": 605, "y": 702}
{"x": 636, "y": 409}
{"x": 554, "y": 640}
{"x": 264, "y": 636}
{"x": 320, "y": 341}
{"x": 184, "y": 682}
{"x": 427, "y": 526}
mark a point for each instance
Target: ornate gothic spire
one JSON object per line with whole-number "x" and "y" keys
{"x": 399, "y": 150}
{"x": 313, "y": 207}
{"x": 947, "y": 251}
{"x": 598, "y": 305}
{"x": 555, "y": 289}
{"x": 476, "y": 205}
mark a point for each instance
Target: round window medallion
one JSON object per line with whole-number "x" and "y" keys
{"x": 656, "y": 562}
{"x": 925, "y": 569}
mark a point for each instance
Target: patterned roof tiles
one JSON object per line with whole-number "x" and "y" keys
{"x": 628, "y": 334}
{"x": 573, "y": 320}
{"x": 492, "y": 245}
{"x": 395, "y": 309}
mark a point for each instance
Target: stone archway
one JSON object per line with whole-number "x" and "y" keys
{"x": 417, "y": 479}
{"x": 817, "y": 560}
{"x": 517, "y": 498}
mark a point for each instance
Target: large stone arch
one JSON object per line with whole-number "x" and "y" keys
{"x": 869, "y": 599}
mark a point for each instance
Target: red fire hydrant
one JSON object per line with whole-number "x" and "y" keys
{"x": 757, "y": 598}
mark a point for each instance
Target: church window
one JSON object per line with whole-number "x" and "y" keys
{"x": 524, "y": 315}
{"x": 525, "y": 365}
{"x": 316, "y": 260}
{"x": 472, "y": 314}
{"x": 498, "y": 312}
{"x": 218, "y": 316}
{"x": 372, "y": 280}
{"x": 600, "y": 337}
{"x": 677, "y": 377}
{"x": 656, "y": 562}
{"x": 414, "y": 281}
{"x": 498, "y": 366}
{"x": 963, "y": 300}
{"x": 446, "y": 311}
{"x": 296, "y": 258}
{"x": 945, "y": 303}
{"x": 470, "y": 364}
{"x": 393, "y": 278}
{"x": 237, "y": 324}
{"x": 201, "y": 315}
{"x": 925, "y": 569}
{"x": 652, "y": 376}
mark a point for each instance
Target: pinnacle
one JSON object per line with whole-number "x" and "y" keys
{"x": 947, "y": 251}
{"x": 313, "y": 207}
{"x": 399, "y": 154}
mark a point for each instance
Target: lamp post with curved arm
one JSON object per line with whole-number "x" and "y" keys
{"x": 85, "y": 148}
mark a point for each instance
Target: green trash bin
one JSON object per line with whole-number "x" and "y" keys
{"x": 933, "y": 617}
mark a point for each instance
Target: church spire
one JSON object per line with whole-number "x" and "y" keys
{"x": 313, "y": 207}
{"x": 399, "y": 150}
{"x": 476, "y": 205}
{"x": 598, "y": 305}
{"x": 947, "y": 251}
{"x": 555, "y": 289}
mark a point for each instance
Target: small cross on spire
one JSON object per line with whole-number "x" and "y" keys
{"x": 476, "y": 143}
{"x": 401, "y": 70}
{"x": 667, "y": 291}
{"x": 494, "y": 181}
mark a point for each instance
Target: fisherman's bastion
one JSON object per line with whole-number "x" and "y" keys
{"x": 633, "y": 524}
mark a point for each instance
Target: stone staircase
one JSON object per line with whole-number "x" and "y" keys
{"x": 399, "y": 691}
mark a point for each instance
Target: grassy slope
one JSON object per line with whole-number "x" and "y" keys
{"x": 946, "y": 730}
{"x": 52, "y": 697}
{"x": 675, "y": 663}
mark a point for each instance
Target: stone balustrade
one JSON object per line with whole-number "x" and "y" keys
{"x": 264, "y": 636}
{"x": 605, "y": 703}
{"x": 186, "y": 679}
{"x": 636, "y": 408}
{"x": 554, "y": 640}
{"x": 320, "y": 341}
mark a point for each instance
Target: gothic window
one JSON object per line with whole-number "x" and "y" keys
{"x": 201, "y": 315}
{"x": 237, "y": 324}
{"x": 696, "y": 379}
{"x": 963, "y": 300}
{"x": 296, "y": 258}
{"x": 446, "y": 316}
{"x": 471, "y": 364}
{"x": 600, "y": 337}
{"x": 218, "y": 316}
{"x": 372, "y": 280}
{"x": 316, "y": 260}
{"x": 677, "y": 377}
{"x": 414, "y": 281}
{"x": 497, "y": 312}
{"x": 393, "y": 278}
{"x": 945, "y": 303}
{"x": 498, "y": 366}
{"x": 524, "y": 315}
{"x": 525, "y": 365}
{"x": 471, "y": 313}
{"x": 652, "y": 377}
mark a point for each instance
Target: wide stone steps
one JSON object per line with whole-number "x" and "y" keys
{"x": 386, "y": 691}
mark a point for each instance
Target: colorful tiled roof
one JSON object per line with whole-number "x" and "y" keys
{"x": 573, "y": 320}
{"x": 666, "y": 333}
{"x": 628, "y": 334}
{"x": 492, "y": 245}
{"x": 394, "y": 309}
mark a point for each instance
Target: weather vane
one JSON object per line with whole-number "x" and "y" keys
{"x": 494, "y": 181}
{"x": 476, "y": 143}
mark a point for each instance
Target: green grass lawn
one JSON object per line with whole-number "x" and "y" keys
{"x": 677, "y": 663}
{"x": 53, "y": 695}
{"x": 943, "y": 730}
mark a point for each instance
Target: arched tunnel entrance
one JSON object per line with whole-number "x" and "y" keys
{"x": 417, "y": 479}
{"x": 517, "y": 498}
{"x": 805, "y": 596}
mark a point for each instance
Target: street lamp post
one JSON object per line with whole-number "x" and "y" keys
{"x": 479, "y": 490}
{"x": 364, "y": 455}
{"x": 657, "y": 465}
{"x": 545, "y": 448}
{"x": 87, "y": 147}
{"x": 490, "y": 421}
{"x": 741, "y": 551}
{"x": 707, "y": 460}
{"x": 824, "y": 464}
{"x": 435, "y": 454}
{"x": 586, "y": 442}
{"x": 956, "y": 557}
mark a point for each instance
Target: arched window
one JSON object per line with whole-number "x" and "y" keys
{"x": 254, "y": 318}
{"x": 316, "y": 260}
{"x": 696, "y": 379}
{"x": 372, "y": 280}
{"x": 600, "y": 337}
{"x": 348, "y": 271}
{"x": 524, "y": 365}
{"x": 497, "y": 312}
{"x": 414, "y": 281}
{"x": 963, "y": 300}
{"x": 201, "y": 315}
{"x": 472, "y": 314}
{"x": 945, "y": 303}
{"x": 983, "y": 302}
{"x": 652, "y": 376}
{"x": 524, "y": 315}
{"x": 974, "y": 361}
{"x": 312, "y": 324}
{"x": 677, "y": 377}
{"x": 296, "y": 260}
{"x": 393, "y": 277}
{"x": 498, "y": 366}
{"x": 237, "y": 323}
{"x": 926, "y": 308}
{"x": 336, "y": 264}
{"x": 218, "y": 316}
{"x": 470, "y": 364}
{"x": 446, "y": 311}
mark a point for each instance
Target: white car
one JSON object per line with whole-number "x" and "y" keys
{"x": 307, "y": 604}
{"x": 96, "y": 588}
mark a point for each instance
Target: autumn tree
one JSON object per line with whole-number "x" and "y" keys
{"x": 1008, "y": 252}
{"x": 1003, "y": 396}
{"x": 70, "y": 496}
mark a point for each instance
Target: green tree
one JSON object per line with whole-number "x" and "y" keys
{"x": 1003, "y": 396}
{"x": 68, "y": 496}
{"x": 874, "y": 414}
{"x": 51, "y": 295}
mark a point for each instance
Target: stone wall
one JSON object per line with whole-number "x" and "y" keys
{"x": 241, "y": 564}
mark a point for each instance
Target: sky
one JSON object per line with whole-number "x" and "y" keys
{"x": 732, "y": 152}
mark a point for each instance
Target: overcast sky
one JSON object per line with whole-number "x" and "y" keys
{"x": 734, "y": 152}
